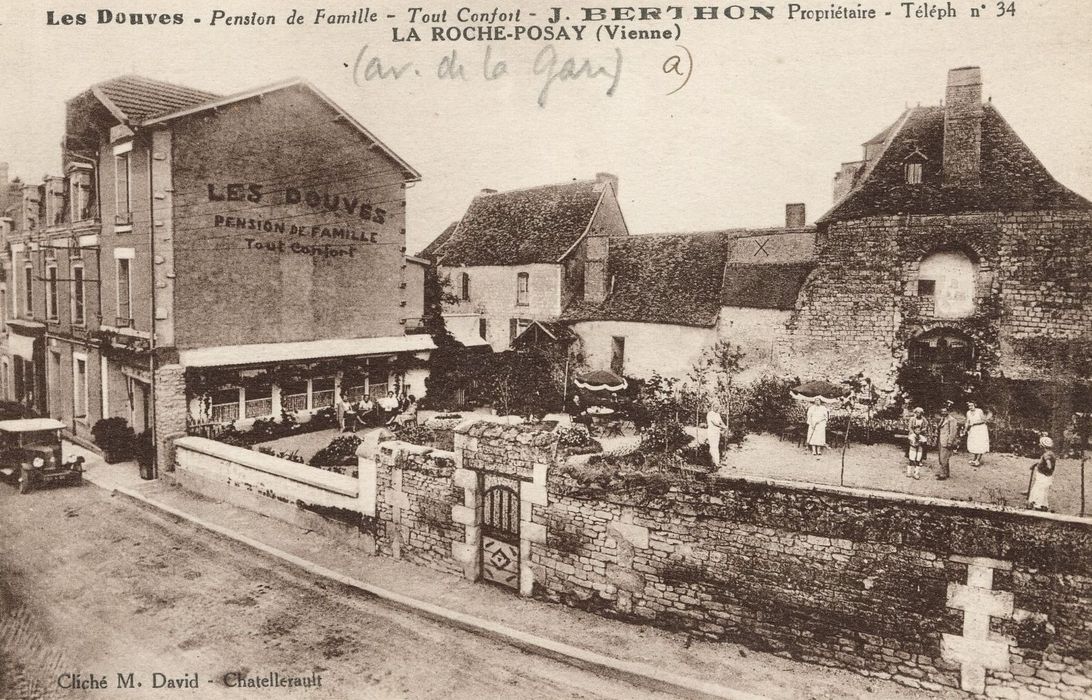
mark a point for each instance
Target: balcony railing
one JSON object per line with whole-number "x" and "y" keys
{"x": 224, "y": 412}
{"x": 322, "y": 399}
{"x": 258, "y": 408}
{"x": 294, "y": 402}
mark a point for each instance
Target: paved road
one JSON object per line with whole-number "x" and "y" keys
{"x": 95, "y": 585}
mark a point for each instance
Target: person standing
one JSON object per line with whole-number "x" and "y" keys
{"x": 947, "y": 440}
{"x": 715, "y": 424}
{"x": 978, "y": 435}
{"x": 817, "y": 418}
{"x": 916, "y": 429}
{"x": 341, "y": 409}
{"x": 1042, "y": 476}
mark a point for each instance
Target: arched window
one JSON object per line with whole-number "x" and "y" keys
{"x": 523, "y": 289}
{"x": 464, "y": 284}
{"x": 948, "y": 277}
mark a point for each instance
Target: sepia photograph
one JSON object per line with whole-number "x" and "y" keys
{"x": 545, "y": 349}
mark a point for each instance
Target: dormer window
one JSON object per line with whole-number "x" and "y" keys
{"x": 913, "y": 165}
{"x": 913, "y": 173}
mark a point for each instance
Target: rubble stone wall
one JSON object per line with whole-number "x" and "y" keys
{"x": 414, "y": 494}
{"x": 1032, "y": 297}
{"x": 929, "y": 593}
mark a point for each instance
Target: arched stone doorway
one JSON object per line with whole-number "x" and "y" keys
{"x": 940, "y": 367}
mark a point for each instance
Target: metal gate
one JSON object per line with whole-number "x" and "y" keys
{"x": 500, "y": 535}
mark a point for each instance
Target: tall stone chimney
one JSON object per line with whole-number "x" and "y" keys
{"x": 963, "y": 128}
{"x": 795, "y": 215}
{"x": 596, "y": 258}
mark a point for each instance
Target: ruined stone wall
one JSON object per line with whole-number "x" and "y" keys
{"x": 929, "y": 593}
{"x": 1032, "y": 296}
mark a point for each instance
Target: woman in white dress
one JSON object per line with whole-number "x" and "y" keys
{"x": 1042, "y": 476}
{"x": 978, "y": 434}
{"x": 818, "y": 414}
{"x": 715, "y": 424}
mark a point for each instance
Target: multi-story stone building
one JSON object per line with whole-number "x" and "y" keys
{"x": 949, "y": 244}
{"x": 950, "y": 249}
{"x": 520, "y": 256}
{"x": 213, "y": 259}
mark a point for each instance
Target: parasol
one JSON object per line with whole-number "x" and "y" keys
{"x": 601, "y": 380}
{"x": 828, "y": 392}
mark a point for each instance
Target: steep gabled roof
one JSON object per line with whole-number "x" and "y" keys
{"x": 673, "y": 279}
{"x": 1012, "y": 178}
{"x": 763, "y": 286}
{"x": 534, "y": 225}
{"x": 138, "y": 101}
{"x": 433, "y": 250}
{"x": 134, "y": 98}
{"x": 408, "y": 170}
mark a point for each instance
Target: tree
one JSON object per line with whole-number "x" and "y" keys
{"x": 713, "y": 375}
{"x": 446, "y": 365}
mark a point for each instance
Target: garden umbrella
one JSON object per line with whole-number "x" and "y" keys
{"x": 827, "y": 391}
{"x": 601, "y": 380}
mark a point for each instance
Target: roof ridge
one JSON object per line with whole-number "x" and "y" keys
{"x": 535, "y": 187}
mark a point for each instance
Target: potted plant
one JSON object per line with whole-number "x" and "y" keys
{"x": 115, "y": 438}
{"x": 144, "y": 451}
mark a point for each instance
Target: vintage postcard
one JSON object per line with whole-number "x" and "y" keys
{"x": 545, "y": 349}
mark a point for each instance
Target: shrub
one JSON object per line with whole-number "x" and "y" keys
{"x": 293, "y": 456}
{"x": 574, "y": 436}
{"x": 697, "y": 455}
{"x": 233, "y": 436}
{"x": 1018, "y": 441}
{"x": 144, "y": 448}
{"x": 766, "y": 405}
{"x": 416, "y": 434}
{"x": 114, "y": 436}
{"x": 262, "y": 430}
{"x": 323, "y": 418}
{"x": 664, "y": 436}
{"x": 340, "y": 452}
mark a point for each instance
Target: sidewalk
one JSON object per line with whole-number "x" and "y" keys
{"x": 726, "y": 665}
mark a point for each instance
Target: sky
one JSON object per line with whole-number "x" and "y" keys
{"x": 769, "y": 111}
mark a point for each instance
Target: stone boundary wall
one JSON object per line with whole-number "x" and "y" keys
{"x": 927, "y": 592}
{"x": 415, "y": 498}
{"x": 296, "y": 493}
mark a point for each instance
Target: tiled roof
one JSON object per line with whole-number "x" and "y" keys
{"x": 1012, "y": 178}
{"x": 140, "y": 98}
{"x": 673, "y": 279}
{"x": 770, "y": 286}
{"x": 432, "y": 250}
{"x": 536, "y": 225}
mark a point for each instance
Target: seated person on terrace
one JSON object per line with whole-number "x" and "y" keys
{"x": 388, "y": 405}
{"x": 366, "y": 412}
{"x": 409, "y": 415}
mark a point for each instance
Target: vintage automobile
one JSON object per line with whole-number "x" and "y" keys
{"x": 30, "y": 451}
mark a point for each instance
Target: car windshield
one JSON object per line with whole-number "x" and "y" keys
{"x": 39, "y": 438}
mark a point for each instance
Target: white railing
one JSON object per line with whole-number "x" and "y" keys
{"x": 322, "y": 399}
{"x": 294, "y": 402}
{"x": 224, "y": 412}
{"x": 257, "y": 408}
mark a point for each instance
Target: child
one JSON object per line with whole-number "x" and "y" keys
{"x": 917, "y": 428}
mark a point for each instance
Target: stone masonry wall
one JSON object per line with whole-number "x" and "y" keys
{"x": 929, "y": 593}
{"x": 1033, "y": 298}
{"x": 414, "y": 498}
